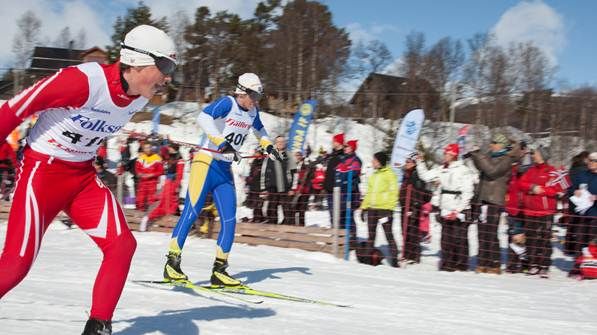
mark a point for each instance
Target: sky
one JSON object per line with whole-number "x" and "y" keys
{"x": 564, "y": 30}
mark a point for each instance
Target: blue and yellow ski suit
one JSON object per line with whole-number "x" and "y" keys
{"x": 223, "y": 120}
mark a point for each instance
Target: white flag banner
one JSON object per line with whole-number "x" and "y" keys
{"x": 407, "y": 137}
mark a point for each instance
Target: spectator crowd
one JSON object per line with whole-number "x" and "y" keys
{"x": 507, "y": 182}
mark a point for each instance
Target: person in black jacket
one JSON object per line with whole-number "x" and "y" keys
{"x": 333, "y": 159}
{"x": 276, "y": 179}
{"x": 412, "y": 190}
{"x": 253, "y": 182}
{"x": 578, "y": 166}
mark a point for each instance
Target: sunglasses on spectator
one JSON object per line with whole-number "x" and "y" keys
{"x": 254, "y": 95}
{"x": 164, "y": 64}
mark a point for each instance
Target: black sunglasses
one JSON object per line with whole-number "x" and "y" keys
{"x": 254, "y": 95}
{"x": 164, "y": 64}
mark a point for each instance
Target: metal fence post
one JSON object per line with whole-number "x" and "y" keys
{"x": 347, "y": 225}
{"x": 119, "y": 187}
{"x": 336, "y": 218}
{"x": 405, "y": 217}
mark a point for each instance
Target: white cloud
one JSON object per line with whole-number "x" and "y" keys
{"x": 366, "y": 33}
{"x": 244, "y": 8}
{"x": 532, "y": 21}
{"x": 54, "y": 17}
{"x": 394, "y": 67}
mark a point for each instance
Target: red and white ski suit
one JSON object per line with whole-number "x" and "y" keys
{"x": 78, "y": 107}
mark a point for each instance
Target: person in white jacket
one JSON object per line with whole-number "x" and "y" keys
{"x": 452, "y": 196}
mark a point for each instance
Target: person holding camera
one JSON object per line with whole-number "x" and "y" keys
{"x": 495, "y": 168}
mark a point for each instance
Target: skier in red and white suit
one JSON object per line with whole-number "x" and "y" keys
{"x": 78, "y": 107}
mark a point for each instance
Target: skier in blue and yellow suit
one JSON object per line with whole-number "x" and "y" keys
{"x": 226, "y": 123}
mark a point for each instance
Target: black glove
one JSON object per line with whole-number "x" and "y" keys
{"x": 273, "y": 152}
{"x": 226, "y": 148}
{"x": 363, "y": 215}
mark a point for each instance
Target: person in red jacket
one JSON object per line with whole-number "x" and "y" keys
{"x": 78, "y": 107}
{"x": 149, "y": 168}
{"x": 586, "y": 263}
{"x": 8, "y": 164}
{"x": 538, "y": 208}
{"x": 169, "y": 196}
{"x": 317, "y": 184}
{"x": 517, "y": 254}
{"x": 102, "y": 151}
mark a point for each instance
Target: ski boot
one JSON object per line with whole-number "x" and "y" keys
{"x": 97, "y": 327}
{"x": 172, "y": 271}
{"x": 219, "y": 276}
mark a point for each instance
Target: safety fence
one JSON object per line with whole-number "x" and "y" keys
{"x": 484, "y": 238}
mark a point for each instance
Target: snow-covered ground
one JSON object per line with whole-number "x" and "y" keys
{"x": 56, "y": 294}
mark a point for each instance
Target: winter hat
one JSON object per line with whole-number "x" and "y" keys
{"x": 381, "y": 157}
{"x": 339, "y": 138}
{"x": 452, "y": 149}
{"x": 544, "y": 152}
{"x": 500, "y": 138}
{"x": 352, "y": 144}
{"x": 248, "y": 83}
{"x": 145, "y": 39}
{"x": 593, "y": 156}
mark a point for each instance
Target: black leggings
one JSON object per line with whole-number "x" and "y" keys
{"x": 489, "y": 245}
{"x": 412, "y": 245}
{"x": 538, "y": 234}
{"x": 454, "y": 245}
{"x": 373, "y": 216}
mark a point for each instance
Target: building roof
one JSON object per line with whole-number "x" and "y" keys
{"x": 52, "y": 59}
{"x": 47, "y": 58}
{"x": 389, "y": 84}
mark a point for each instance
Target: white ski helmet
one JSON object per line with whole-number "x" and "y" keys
{"x": 249, "y": 81}
{"x": 144, "y": 40}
